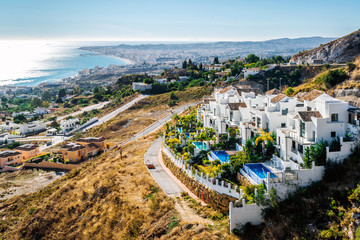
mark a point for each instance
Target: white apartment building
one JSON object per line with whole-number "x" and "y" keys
{"x": 141, "y": 86}
{"x": 32, "y": 128}
{"x": 297, "y": 122}
{"x": 42, "y": 111}
{"x": 69, "y": 124}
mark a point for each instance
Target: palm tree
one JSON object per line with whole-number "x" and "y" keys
{"x": 264, "y": 137}
{"x": 176, "y": 118}
{"x": 211, "y": 170}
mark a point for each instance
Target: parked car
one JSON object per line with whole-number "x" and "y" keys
{"x": 149, "y": 164}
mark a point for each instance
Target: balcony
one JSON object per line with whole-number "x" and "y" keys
{"x": 294, "y": 136}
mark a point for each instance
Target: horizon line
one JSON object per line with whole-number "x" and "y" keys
{"x": 205, "y": 40}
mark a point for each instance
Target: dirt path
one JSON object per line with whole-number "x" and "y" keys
{"x": 188, "y": 214}
{"x": 25, "y": 182}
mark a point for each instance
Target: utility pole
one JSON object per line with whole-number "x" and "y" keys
{"x": 280, "y": 83}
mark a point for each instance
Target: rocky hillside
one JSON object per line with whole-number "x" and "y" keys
{"x": 341, "y": 50}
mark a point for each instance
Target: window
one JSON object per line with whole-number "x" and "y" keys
{"x": 334, "y": 117}
{"x": 283, "y": 125}
{"x": 302, "y": 129}
{"x": 214, "y": 111}
{"x": 258, "y": 122}
{"x": 300, "y": 148}
{"x": 293, "y": 145}
{"x": 333, "y": 134}
{"x": 279, "y": 140}
{"x": 284, "y": 111}
{"x": 231, "y": 115}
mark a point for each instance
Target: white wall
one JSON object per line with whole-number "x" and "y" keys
{"x": 239, "y": 216}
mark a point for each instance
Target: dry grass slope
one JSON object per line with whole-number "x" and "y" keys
{"x": 110, "y": 197}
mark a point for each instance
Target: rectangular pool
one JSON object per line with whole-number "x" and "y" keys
{"x": 221, "y": 155}
{"x": 200, "y": 145}
{"x": 258, "y": 172}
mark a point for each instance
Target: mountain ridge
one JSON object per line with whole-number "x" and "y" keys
{"x": 341, "y": 50}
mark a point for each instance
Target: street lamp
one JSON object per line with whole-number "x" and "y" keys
{"x": 280, "y": 83}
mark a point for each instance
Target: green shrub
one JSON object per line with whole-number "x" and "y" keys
{"x": 332, "y": 77}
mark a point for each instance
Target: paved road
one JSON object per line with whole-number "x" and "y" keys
{"x": 159, "y": 123}
{"x": 116, "y": 112}
{"x": 85, "y": 109}
{"x": 168, "y": 185}
{"x": 59, "y": 139}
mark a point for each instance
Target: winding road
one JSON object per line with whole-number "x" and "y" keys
{"x": 158, "y": 123}
{"x": 168, "y": 185}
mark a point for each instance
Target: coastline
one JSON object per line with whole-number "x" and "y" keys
{"x": 22, "y": 83}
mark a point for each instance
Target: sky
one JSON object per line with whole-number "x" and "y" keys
{"x": 196, "y": 20}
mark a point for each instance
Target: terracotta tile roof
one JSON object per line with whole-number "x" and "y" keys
{"x": 8, "y": 153}
{"x": 234, "y": 106}
{"x": 91, "y": 147}
{"x": 278, "y": 98}
{"x": 273, "y": 91}
{"x": 75, "y": 148}
{"x": 27, "y": 147}
{"x": 309, "y": 96}
{"x": 306, "y": 115}
{"x": 243, "y": 105}
{"x": 247, "y": 90}
{"x": 225, "y": 90}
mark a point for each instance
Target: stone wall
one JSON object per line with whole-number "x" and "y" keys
{"x": 216, "y": 200}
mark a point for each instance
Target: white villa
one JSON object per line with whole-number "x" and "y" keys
{"x": 141, "y": 86}
{"x": 32, "y": 128}
{"x": 42, "y": 111}
{"x": 297, "y": 122}
{"x": 69, "y": 124}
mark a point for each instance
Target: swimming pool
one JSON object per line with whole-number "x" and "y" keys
{"x": 187, "y": 135}
{"x": 221, "y": 155}
{"x": 180, "y": 130}
{"x": 258, "y": 172}
{"x": 200, "y": 145}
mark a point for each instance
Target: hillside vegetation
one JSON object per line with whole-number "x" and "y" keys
{"x": 341, "y": 82}
{"x": 328, "y": 209}
{"x": 113, "y": 196}
{"x": 341, "y": 50}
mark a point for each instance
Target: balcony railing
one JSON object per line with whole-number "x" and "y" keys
{"x": 302, "y": 140}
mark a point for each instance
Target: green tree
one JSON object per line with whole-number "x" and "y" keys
{"x": 62, "y": 93}
{"x": 289, "y": 91}
{"x": 96, "y": 90}
{"x": 264, "y": 138}
{"x": 252, "y": 58}
{"x": 216, "y": 60}
{"x": 46, "y": 96}
{"x": 36, "y": 102}
{"x": 173, "y": 96}
{"x": 184, "y": 64}
{"x": 59, "y": 100}
{"x": 19, "y": 118}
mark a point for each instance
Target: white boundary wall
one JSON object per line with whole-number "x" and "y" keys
{"x": 239, "y": 216}
{"x": 211, "y": 183}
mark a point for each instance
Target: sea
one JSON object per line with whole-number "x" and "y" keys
{"x": 29, "y": 63}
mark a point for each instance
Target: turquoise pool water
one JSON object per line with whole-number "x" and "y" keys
{"x": 187, "y": 135}
{"x": 221, "y": 155}
{"x": 200, "y": 145}
{"x": 259, "y": 170}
